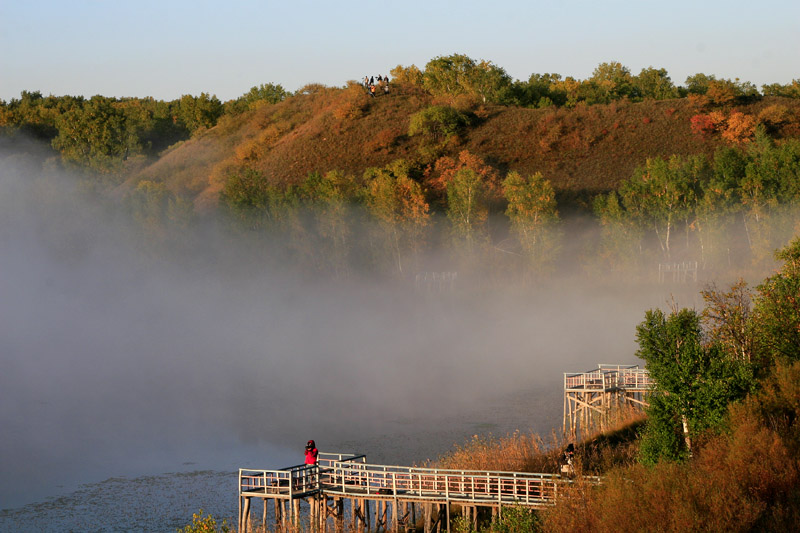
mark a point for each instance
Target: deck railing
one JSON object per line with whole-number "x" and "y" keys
{"x": 292, "y": 481}
{"x": 440, "y": 484}
{"x": 607, "y": 377}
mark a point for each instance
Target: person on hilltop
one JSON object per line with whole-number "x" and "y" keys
{"x": 312, "y": 454}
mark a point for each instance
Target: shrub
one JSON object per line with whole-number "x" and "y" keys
{"x": 437, "y": 123}
{"x": 206, "y": 524}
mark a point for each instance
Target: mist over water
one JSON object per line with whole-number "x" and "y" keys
{"x": 116, "y": 362}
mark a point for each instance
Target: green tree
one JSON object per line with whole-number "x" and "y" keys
{"x": 199, "y": 112}
{"x": 458, "y": 74}
{"x": 467, "y": 208}
{"x": 95, "y": 135}
{"x": 411, "y": 75}
{"x": 790, "y": 90}
{"x": 251, "y": 198}
{"x": 695, "y": 382}
{"x": 329, "y": 198}
{"x": 488, "y": 81}
{"x": 621, "y": 235}
{"x": 398, "y": 204}
{"x": 448, "y": 75}
{"x": 266, "y": 93}
{"x": 662, "y": 193}
{"x": 654, "y": 83}
{"x": 435, "y": 126}
{"x": 699, "y": 83}
{"x": 614, "y": 81}
{"x": 718, "y": 205}
{"x": 533, "y": 214}
{"x": 776, "y": 312}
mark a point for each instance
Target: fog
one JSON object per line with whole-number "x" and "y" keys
{"x": 120, "y": 362}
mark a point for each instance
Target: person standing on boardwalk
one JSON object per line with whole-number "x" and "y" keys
{"x": 312, "y": 454}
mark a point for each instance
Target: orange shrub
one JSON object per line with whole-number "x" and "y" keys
{"x": 739, "y": 128}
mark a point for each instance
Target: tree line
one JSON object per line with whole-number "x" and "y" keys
{"x": 745, "y": 201}
{"x": 458, "y": 75}
{"x": 386, "y": 219}
{"x": 101, "y": 133}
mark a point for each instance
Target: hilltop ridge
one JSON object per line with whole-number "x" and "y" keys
{"x": 581, "y": 151}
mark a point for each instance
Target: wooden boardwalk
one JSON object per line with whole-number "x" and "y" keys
{"x": 381, "y": 497}
{"x": 591, "y": 397}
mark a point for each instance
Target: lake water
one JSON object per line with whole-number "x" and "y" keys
{"x": 133, "y": 386}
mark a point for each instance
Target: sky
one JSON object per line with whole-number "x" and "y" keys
{"x": 167, "y": 48}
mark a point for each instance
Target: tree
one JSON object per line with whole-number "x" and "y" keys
{"x": 250, "y": 197}
{"x": 467, "y": 208}
{"x": 621, "y": 235}
{"x": 266, "y": 93}
{"x": 398, "y": 204}
{"x": 654, "y": 83}
{"x": 614, "y": 81}
{"x": 727, "y": 317}
{"x": 411, "y": 75}
{"x": 488, "y": 81}
{"x": 199, "y": 112}
{"x": 776, "y": 312}
{"x": 448, "y": 75}
{"x": 694, "y": 382}
{"x": 790, "y": 90}
{"x": 458, "y": 74}
{"x": 532, "y": 211}
{"x": 329, "y": 197}
{"x": 699, "y": 83}
{"x": 94, "y": 135}
{"x": 442, "y": 172}
{"x": 660, "y": 194}
{"x": 435, "y": 126}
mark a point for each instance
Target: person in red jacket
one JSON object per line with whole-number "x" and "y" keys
{"x": 312, "y": 453}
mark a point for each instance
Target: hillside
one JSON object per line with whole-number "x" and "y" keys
{"x": 581, "y": 151}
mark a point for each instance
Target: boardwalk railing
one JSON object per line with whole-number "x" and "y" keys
{"x": 291, "y": 482}
{"x": 440, "y": 485}
{"x": 353, "y": 478}
{"x": 607, "y": 377}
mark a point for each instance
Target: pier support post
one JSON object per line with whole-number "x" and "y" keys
{"x": 245, "y": 518}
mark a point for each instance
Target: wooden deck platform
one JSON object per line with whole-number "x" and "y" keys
{"x": 591, "y": 397}
{"x": 386, "y": 497}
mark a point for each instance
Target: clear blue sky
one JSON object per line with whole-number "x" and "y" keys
{"x": 167, "y": 48}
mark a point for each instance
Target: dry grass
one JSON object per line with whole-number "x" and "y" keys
{"x": 588, "y": 148}
{"x": 745, "y": 480}
{"x": 528, "y": 452}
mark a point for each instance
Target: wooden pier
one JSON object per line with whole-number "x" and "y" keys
{"x": 591, "y": 397}
{"x": 380, "y": 497}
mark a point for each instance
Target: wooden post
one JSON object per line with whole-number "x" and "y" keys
{"x": 278, "y": 512}
{"x": 426, "y": 511}
{"x": 296, "y": 513}
{"x": 244, "y": 522}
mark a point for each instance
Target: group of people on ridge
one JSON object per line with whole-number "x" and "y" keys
{"x": 372, "y": 88}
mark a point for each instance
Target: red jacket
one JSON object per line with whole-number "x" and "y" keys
{"x": 311, "y": 455}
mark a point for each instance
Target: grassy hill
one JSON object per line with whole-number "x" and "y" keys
{"x": 581, "y": 151}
